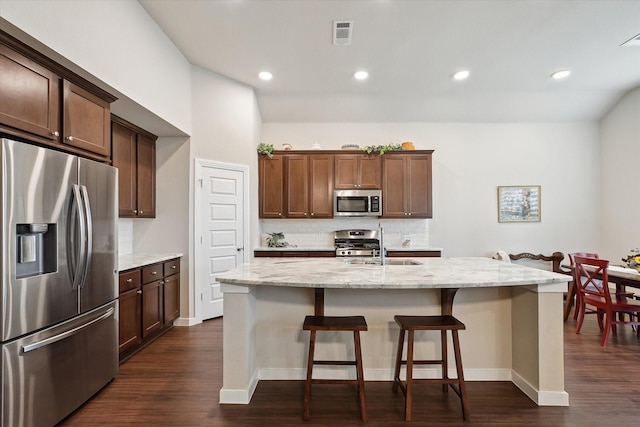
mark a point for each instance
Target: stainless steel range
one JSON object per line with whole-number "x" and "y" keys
{"x": 353, "y": 243}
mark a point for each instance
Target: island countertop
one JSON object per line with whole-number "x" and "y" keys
{"x": 429, "y": 273}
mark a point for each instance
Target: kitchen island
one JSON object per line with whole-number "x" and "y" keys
{"x": 513, "y": 316}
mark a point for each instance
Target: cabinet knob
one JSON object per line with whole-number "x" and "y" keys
{"x": 312, "y": 213}
{"x": 279, "y": 213}
{"x": 141, "y": 213}
{"x": 139, "y": 291}
{"x": 55, "y": 133}
{"x": 409, "y": 214}
{"x": 135, "y": 211}
{"x": 70, "y": 138}
{"x": 129, "y": 280}
{"x": 237, "y": 249}
{"x": 173, "y": 267}
{"x": 154, "y": 272}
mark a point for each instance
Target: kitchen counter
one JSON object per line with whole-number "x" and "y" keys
{"x": 129, "y": 261}
{"x": 297, "y": 248}
{"x": 513, "y": 316}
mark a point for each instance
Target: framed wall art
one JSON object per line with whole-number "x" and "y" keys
{"x": 519, "y": 203}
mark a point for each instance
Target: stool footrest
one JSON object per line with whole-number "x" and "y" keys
{"x": 424, "y": 362}
{"x": 332, "y": 381}
{"x": 334, "y": 362}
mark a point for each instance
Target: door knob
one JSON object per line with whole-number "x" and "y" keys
{"x": 239, "y": 249}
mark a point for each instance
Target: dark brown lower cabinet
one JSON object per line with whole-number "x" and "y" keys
{"x": 149, "y": 302}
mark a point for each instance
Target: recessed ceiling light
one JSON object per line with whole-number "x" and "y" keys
{"x": 361, "y": 75}
{"x": 561, "y": 74}
{"x": 461, "y": 75}
{"x": 265, "y": 75}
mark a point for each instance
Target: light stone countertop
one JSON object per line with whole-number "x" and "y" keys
{"x": 332, "y": 248}
{"x": 431, "y": 273}
{"x": 297, "y": 248}
{"x": 129, "y": 261}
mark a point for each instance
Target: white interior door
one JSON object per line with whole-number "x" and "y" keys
{"x": 222, "y": 229}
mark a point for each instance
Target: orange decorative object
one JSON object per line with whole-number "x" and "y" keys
{"x": 408, "y": 145}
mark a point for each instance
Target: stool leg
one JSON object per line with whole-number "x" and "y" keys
{"x": 461, "y": 384}
{"x": 396, "y": 374}
{"x": 307, "y": 384}
{"x": 409, "y": 395}
{"x": 360, "y": 375}
{"x": 445, "y": 360}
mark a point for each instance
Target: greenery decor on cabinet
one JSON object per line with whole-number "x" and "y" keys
{"x": 381, "y": 149}
{"x": 265, "y": 149}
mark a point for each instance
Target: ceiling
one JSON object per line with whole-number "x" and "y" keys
{"x": 411, "y": 49}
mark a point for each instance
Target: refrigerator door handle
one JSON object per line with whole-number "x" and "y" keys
{"x": 87, "y": 239}
{"x": 66, "y": 334}
{"x": 79, "y": 249}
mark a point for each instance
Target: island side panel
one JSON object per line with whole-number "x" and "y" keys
{"x": 538, "y": 346}
{"x": 240, "y": 377}
{"x": 281, "y": 345}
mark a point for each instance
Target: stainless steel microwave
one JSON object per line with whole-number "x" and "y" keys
{"x": 357, "y": 203}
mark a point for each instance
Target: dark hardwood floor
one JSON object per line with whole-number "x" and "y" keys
{"x": 175, "y": 382}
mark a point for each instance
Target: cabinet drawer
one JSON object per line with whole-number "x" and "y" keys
{"x": 151, "y": 273}
{"x": 172, "y": 267}
{"x": 129, "y": 280}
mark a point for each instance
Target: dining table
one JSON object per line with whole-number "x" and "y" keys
{"x": 622, "y": 276}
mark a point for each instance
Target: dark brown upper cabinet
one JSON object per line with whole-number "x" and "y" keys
{"x": 406, "y": 185}
{"x": 134, "y": 154}
{"x": 357, "y": 171}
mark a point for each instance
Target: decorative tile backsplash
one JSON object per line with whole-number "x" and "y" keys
{"x": 319, "y": 232}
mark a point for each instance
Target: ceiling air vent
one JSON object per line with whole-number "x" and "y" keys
{"x": 634, "y": 41}
{"x": 342, "y": 32}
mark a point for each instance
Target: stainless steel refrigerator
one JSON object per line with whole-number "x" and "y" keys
{"x": 58, "y": 309}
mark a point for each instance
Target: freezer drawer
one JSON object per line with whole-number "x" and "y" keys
{"x": 47, "y": 375}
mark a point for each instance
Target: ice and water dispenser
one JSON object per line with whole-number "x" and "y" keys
{"x": 36, "y": 249}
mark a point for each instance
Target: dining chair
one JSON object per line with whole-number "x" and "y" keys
{"x": 573, "y": 286}
{"x": 592, "y": 283}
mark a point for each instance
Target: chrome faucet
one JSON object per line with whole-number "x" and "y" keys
{"x": 382, "y": 250}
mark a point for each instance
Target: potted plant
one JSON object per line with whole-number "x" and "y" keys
{"x": 381, "y": 149}
{"x": 265, "y": 149}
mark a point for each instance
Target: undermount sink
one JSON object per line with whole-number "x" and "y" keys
{"x": 376, "y": 261}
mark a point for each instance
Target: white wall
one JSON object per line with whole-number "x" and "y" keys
{"x": 226, "y": 126}
{"x": 117, "y": 42}
{"x": 470, "y": 161}
{"x": 620, "y": 203}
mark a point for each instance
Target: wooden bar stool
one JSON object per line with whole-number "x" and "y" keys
{"x": 334, "y": 323}
{"x": 443, "y": 324}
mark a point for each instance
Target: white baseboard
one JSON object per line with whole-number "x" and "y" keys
{"x": 324, "y": 372}
{"x": 541, "y": 397}
{"x": 239, "y": 396}
{"x": 186, "y": 321}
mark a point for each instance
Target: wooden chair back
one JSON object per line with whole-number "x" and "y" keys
{"x": 587, "y": 280}
{"x": 555, "y": 259}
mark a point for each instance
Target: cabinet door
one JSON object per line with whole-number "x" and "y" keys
{"x": 171, "y": 299}
{"x": 321, "y": 186}
{"x": 86, "y": 120}
{"x": 346, "y": 171}
{"x": 419, "y": 200}
{"x": 152, "y": 308}
{"x": 369, "y": 171}
{"x": 124, "y": 158}
{"x": 393, "y": 186}
{"x": 129, "y": 320}
{"x": 146, "y": 173}
{"x": 357, "y": 171}
{"x": 271, "y": 182}
{"x": 29, "y": 96}
{"x": 296, "y": 186}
